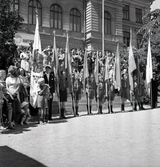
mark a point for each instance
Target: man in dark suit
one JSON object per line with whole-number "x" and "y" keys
{"x": 154, "y": 90}
{"x": 50, "y": 80}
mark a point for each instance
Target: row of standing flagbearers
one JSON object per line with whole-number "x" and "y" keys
{"x": 104, "y": 93}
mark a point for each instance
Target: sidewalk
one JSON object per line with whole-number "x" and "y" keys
{"x": 108, "y": 140}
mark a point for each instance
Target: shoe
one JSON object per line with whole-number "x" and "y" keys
{"x": 2, "y": 128}
{"x": 10, "y": 127}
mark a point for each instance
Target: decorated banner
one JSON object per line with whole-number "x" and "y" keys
{"x": 37, "y": 65}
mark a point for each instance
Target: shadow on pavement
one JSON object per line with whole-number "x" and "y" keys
{"x": 10, "y": 158}
{"x": 19, "y": 129}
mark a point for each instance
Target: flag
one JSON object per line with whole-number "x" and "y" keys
{"x": 85, "y": 69}
{"x": 131, "y": 64}
{"x": 55, "y": 61}
{"x": 106, "y": 76}
{"x": 37, "y": 40}
{"x": 149, "y": 74}
{"x": 35, "y": 58}
{"x": 96, "y": 69}
{"x": 67, "y": 65}
{"x": 117, "y": 69}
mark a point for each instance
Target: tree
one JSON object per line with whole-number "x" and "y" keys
{"x": 10, "y": 22}
{"x": 152, "y": 26}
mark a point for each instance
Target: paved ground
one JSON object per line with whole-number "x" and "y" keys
{"x": 130, "y": 139}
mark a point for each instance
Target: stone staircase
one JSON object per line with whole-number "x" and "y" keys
{"x": 83, "y": 102}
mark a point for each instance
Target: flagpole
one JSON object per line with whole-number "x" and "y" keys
{"x": 97, "y": 84}
{"x": 56, "y": 71}
{"x": 102, "y": 27}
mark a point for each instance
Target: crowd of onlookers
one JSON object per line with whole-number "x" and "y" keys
{"x": 14, "y": 86}
{"x": 16, "y": 81}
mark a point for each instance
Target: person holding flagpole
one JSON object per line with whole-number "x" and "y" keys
{"x": 131, "y": 68}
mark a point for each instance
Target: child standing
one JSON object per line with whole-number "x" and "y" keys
{"x": 25, "y": 113}
{"x": 42, "y": 99}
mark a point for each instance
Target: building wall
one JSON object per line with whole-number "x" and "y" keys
{"x": 46, "y": 33}
{"x": 91, "y": 23}
{"x": 144, "y": 5}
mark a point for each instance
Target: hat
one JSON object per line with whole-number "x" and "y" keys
{"x": 49, "y": 66}
{"x": 40, "y": 80}
{"x": 24, "y": 104}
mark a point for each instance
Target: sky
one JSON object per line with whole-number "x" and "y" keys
{"x": 155, "y": 5}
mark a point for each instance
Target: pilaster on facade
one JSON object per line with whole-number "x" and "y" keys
{"x": 91, "y": 23}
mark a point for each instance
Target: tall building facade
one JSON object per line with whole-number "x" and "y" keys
{"x": 82, "y": 19}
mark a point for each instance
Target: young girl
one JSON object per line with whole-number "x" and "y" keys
{"x": 25, "y": 113}
{"x": 42, "y": 99}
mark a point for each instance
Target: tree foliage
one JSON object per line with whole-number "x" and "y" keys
{"x": 10, "y": 22}
{"x": 152, "y": 27}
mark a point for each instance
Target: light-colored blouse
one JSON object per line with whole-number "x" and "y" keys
{"x": 12, "y": 84}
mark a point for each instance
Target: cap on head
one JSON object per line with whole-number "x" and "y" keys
{"x": 24, "y": 104}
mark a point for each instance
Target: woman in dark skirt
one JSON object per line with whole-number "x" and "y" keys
{"x": 62, "y": 92}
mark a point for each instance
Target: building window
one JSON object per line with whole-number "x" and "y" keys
{"x": 126, "y": 38}
{"x": 138, "y": 15}
{"x": 126, "y": 12}
{"x": 107, "y": 23}
{"x": 139, "y": 39}
{"x": 15, "y": 5}
{"x": 75, "y": 20}
{"x": 56, "y": 16}
{"x": 32, "y": 5}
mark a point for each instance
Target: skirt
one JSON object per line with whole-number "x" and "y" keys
{"x": 63, "y": 95}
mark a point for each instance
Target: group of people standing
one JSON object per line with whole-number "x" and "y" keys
{"x": 15, "y": 91}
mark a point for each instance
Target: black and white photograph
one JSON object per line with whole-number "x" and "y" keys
{"x": 79, "y": 83}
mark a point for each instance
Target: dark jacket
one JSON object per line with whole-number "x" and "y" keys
{"x": 50, "y": 82}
